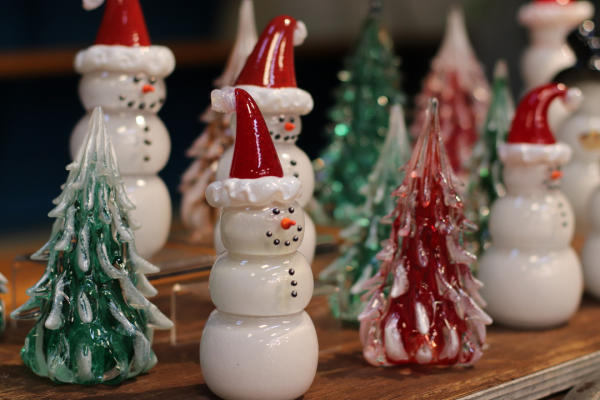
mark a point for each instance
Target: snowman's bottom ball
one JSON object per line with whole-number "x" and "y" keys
{"x": 152, "y": 212}
{"x": 590, "y": 258}
{"x": 530, "y": 289}
{"x": 262, "y": 358}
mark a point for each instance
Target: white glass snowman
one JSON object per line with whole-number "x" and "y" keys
{"x": 282, "y": 104}
{"x": 124, "y": 74}
{"x": 532, "y": 277}
{"x": 549, "y": 22}
{"x": 259, "y": 343}
{"x": 581, "y": 129}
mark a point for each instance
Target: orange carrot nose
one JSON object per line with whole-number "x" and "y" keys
{"x": 286, "y": 223}
{"x": 289, "y": 126}
{"x": 556, "y": 174}
{"x": 147, "y": 89}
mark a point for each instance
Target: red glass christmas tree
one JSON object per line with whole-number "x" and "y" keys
{"x": 457, "y": 79}
{"x": 424, "y": 305}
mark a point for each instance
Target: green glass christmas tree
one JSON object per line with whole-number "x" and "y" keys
{"x": 3, "y": 289}
{"x": 369, "y": 84}
{"x": 485, "y": 181}
{"x": 94, "y": 323}
{"x": 357, "y": 262}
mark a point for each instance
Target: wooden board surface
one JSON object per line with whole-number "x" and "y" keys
{"x": 342, "y": 373}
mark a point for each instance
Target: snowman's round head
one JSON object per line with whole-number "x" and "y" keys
{"x": 120, "y": 91}
{"x": 283, "y": 128}
{"x": 260, "y": 216}
{"x": 275, "y": 229}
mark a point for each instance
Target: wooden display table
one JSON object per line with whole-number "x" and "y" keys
{"x": 517, "y": 364}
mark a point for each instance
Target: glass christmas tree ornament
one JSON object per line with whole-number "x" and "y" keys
{"x": 549, "y": 22}
{"x": 581, "y": 128}
{"x": 531, "y": 274}
{"x": 357, "y": 262}
{"x": 196, "y": 214}
{"x": 259, "y": 343}
{"x": 424, "y": 306}
{"x": 457, "y": 79}
{"x": 94, "y": 323}
{"x": 273, "y": 86}
{"x": 485, "y": 181}
{"x": 124, "y": 74}
{"x": 368, "y": 85}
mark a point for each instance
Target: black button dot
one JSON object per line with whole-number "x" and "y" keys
{"x": 269, "y": 233}
{"x": 294, "y": 283}
{"x": 276, "y": 211}
{"x": 293, "y": 162}
{"x": 141, "y": 106}
{"x": 291, "y": 271}
{"x": 286, "y": 138}
{"x": 276, "y": 242}
{"x": 295, "y": 238}
{"x": 287, "y": 243}
{"x": 146, "y": 158}
{"x": 291, "y": 210}
{"x": 294, "y": 293}
{"x": 147, "y": 142}
{"x": 277, "y": 137}
{"x": 146, "y": 128}
{"x": 296, "y": 175}
{"x": 130, "y": 104}
{"x": 299, "y": 228}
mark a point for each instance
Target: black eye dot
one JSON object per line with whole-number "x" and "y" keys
{"x": 291, "y": 210}
{"x": 292, "y": 120}
{"x": 276, "y": 242}
{"x": 287, "y": 243}
{"x": 299, "y": 229}
{"x": 277, "y": 137}
{"x": 121, "y": 98}
{"x": 293, "y": 162}
{"x": 276, "y": 211}
{"x": 295, "y": 238}
{"x": 136, "y": 79}
{"x": 281, "y": 119}
{"x": 269, "y": 233}
{"x": 152, "y": 79}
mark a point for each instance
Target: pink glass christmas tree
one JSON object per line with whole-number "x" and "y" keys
{"x": 424, "y": 305}
{"x": 458, "y": 81}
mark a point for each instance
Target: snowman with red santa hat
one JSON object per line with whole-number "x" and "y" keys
{"x": 124, "y": 74}
{"x": 259, "y": 343}
{"x": 532, "y": 277}
{"x": 270, "y": 78}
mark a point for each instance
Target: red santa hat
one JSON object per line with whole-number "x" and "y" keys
{"x": 530, "y": 140}
{"x": 552, "y": 12}
{"x": 269, "y": 74}
{"x": 122, "y": 43}
{"x": 256, "y": 176}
